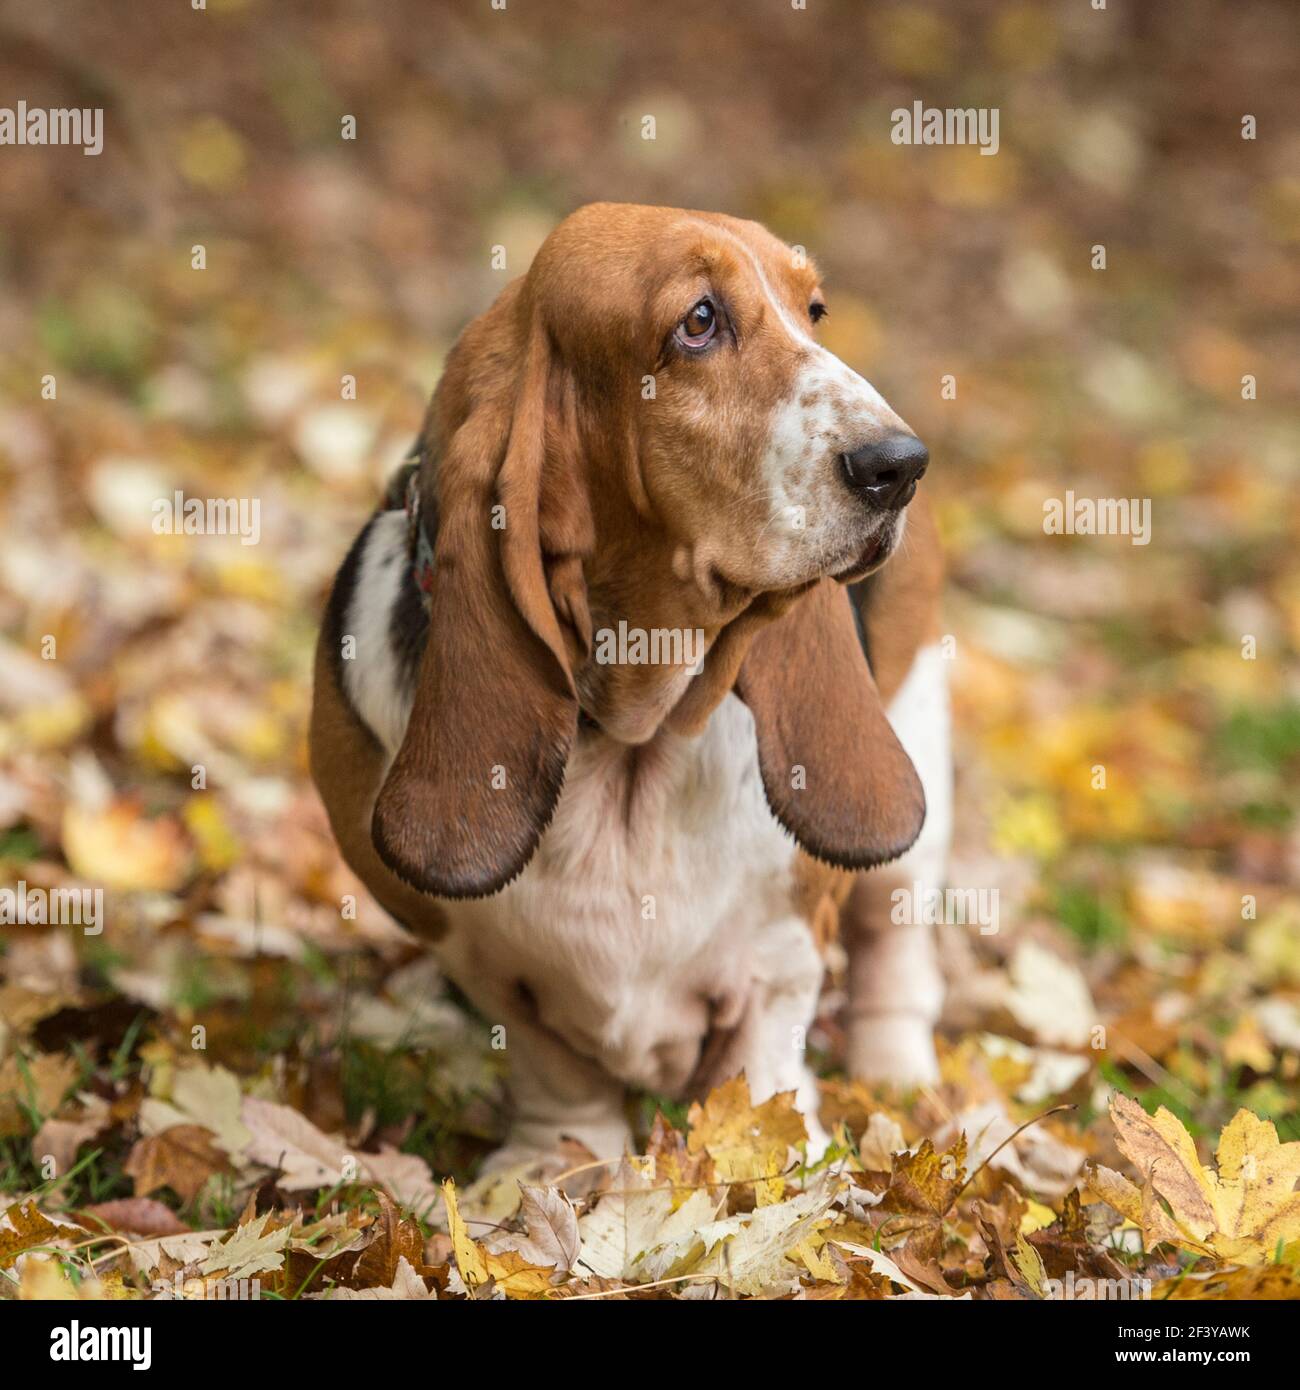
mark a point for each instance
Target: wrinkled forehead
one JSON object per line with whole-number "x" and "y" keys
{"x": 638, "y": 270}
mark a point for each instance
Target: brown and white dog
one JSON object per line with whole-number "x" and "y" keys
{"x": 625, "y": 859}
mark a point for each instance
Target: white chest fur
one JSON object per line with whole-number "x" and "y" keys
{"x": 641, "y": 918}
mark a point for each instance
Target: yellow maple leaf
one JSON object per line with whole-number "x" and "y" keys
{"x": 747, "y": 1141}
{"x": 1241, "y": 1213}
{"x": 28, "y": 1229}
{"x": 811, "y": 1252}
{"x": 508, "y": 1270}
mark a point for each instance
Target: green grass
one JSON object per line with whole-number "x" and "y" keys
{"x": 1093, "y": 919}
{"x": 1265, "y": 738}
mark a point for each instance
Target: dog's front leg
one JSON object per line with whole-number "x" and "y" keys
{"x": 555, "y": 1094}
{"x": 894, "y": 984}
{"x": 894, "y": 987}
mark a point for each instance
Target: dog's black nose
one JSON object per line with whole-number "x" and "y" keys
{"x": 886, "y": 473}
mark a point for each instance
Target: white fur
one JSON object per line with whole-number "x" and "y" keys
{"x": 659, "y": 899}
{"x": 371, "y": 675}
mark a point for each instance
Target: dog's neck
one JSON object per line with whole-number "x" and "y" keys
{"x": 704, "y": 634}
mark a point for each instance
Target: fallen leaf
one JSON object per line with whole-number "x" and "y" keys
{"x": 140, "y": 1216}
{"x": 281, "y": 1138}
{"x": 38, "y": 1083}
{"x": 406, "y": 1284}
{"x": 209, "y": 1096}
{"x": 635, "y": 1233}
{"x": 747, "y": 1141}
{"x": 926, "y": 1182}
{"x": 552, "y": 1226}
{"x": 1048, "y": 997}
{"x": 60, "y": 1139}
{"x": 880, "y": 1141}
{"x": 308, "y": 1159}
{"x": 27, "y": 1228}
{"x": 251, "y": 1249}
{"x": 1241, "y": 1213}
{"x": 44, "y": 1280}
{"x": 395, "y": 1242}
{"x": 119, "y": 848}
{"x": 508, "y": 1271}
{"x": 749, "y": 1253}
{"x": 182, "y": 1158}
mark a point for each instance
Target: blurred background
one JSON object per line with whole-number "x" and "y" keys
{"x": 1161, "y": 906}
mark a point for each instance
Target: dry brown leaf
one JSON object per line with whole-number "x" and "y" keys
{"x": 395, "y": 1240}
{"x": 673, "y": 1160}
{"x": 140, "y": 1216}
{"x": 38, "y": 1082}
{"x": 926, "y": 1182}
{"x": 182, "y": 1158}
{"x": 478, "y": 1267}
{"x": 406, "y": 1285}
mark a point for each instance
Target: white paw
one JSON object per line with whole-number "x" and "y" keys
{"x": 818, "y": 1139}
{"x": 897, "y": 1048}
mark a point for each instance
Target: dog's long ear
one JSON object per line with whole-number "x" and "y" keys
{"x": 834, "y": 772}
{"x": 480, "y": 769}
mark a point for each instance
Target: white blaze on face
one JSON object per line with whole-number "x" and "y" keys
{"x": 813, "y": 518}
{"x": 830, "y": 411}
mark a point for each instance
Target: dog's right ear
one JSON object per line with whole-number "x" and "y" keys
{"x": 832, "y": 767}
{"x": 476, "y": 779}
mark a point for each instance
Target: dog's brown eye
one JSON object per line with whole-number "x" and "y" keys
{"x": 817, "y": 311}
{"x": 699, "y": 325}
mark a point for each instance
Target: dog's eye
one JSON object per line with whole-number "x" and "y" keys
{"x": 817, "y": 311}
{"x": 699, "y": 325}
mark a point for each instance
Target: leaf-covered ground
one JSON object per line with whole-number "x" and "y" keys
{"x": 250, "y": 1073}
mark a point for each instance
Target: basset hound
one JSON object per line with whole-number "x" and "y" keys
{"x": 620, "y": 692}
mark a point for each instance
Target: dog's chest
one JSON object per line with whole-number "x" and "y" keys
{"x": 641, "y": 917}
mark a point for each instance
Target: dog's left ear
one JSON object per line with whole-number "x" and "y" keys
{"x": 833, "y": 769}
{"x": 480, "y": 768}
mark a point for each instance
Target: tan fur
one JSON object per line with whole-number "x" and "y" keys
{"x": 901, "y": 609}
